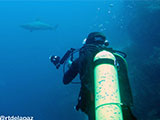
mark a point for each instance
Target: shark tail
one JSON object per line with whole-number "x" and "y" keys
{"x": 55, "y": 27}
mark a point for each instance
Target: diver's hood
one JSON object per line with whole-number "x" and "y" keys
{"x": 92, "y": 37}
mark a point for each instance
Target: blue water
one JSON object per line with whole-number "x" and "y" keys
{"x": 31, "y": 86}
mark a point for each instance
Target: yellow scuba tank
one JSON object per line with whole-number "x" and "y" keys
{"x": 106, "y": 87}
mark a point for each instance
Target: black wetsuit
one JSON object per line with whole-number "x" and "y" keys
{"x": 84, "y": 66}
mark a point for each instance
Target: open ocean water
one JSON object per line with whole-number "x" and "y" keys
{"x": 31, "y": 86}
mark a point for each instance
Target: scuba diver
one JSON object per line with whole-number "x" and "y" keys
{"x": 84, "y": 66}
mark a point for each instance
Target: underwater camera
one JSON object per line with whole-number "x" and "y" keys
{"x": 57, "y": 61}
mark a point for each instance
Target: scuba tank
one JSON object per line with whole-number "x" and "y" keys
{"x": 106, "y": 87}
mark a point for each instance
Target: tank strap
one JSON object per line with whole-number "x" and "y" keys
{"x": 104, "y": 61}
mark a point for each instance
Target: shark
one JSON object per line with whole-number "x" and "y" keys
{"x": 38, "y": 25}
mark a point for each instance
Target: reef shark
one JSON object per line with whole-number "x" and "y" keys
{"x": 38, "y": 25}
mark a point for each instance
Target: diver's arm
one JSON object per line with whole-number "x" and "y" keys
{"x": 71, "y": 73}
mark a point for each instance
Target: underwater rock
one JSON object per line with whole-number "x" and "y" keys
{"x": 153, "y": 5}
{"x": 144, "y": 71}
{"x": 144, "y": 28}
